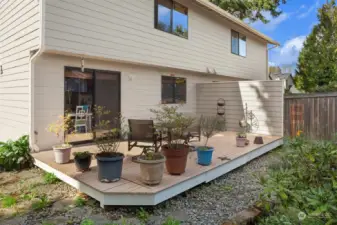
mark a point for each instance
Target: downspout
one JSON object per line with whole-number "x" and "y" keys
{"x": 33, "y": 57}
{"x": 268, "y": 49}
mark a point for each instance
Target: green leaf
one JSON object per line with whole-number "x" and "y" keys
{"x": 331, "y": 222}
{"x": 283, "y": 195}
{"x": 334, "y": 184}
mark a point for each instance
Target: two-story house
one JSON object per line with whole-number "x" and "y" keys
{"x": 129, "y": 56}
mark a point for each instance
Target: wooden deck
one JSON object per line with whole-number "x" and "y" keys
{"x": 130, "y": 191}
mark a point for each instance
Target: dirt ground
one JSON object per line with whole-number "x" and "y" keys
{"x": 27, "y": 187}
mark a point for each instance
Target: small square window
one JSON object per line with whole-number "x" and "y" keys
{"x": 173, "y": 90}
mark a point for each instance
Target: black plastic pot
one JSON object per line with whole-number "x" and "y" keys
{"x": 109, "y": 167}
{"x": 83, "y": 163}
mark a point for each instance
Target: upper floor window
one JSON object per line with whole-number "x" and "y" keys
{"x": 239, "y": 44}
{"x": 171, "y": 17}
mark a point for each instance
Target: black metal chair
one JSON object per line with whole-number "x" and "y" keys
{"x": 193, "y": 131}
{"x": 143, "y": 131}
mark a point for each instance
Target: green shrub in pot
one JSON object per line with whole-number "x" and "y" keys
{"x": 109, "y": 134}
{"x": 60, "y": 127}
{"x": 151, "y": 166}
{"x": 174, "y": 124}
{"x": 209, "y": 125}
{"x": 82, "y": 160}
{"x": 241, "y": 139}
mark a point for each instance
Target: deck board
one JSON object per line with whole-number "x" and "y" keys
{"x": 130, "y": 183}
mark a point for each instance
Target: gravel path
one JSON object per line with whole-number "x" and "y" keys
{"x": 209, "y": 204}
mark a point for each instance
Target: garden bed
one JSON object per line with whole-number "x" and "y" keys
{"x": 209, "y": 204}
{"x": 302, "y": 188}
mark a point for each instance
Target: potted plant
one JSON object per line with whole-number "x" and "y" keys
{"x": 174, "y": 124}
{"x": 109, "y": 134}
{"x": 60, "y": 128}
{"x": 209, "y": 126}
{"x": 151, "y": 167}
{"x": 82, "y": 160}
{"x": 241, "y": 139}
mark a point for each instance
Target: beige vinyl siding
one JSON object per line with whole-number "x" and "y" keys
{"x": 140, "y": 90}
{"x": 263, "y": 98}
{"x": 19, "y": 34}
{"x": 124, "y": 31}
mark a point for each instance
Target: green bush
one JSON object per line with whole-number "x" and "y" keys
{"x": 8, "y": 201}
{"x": 171, "y": 221}
{"x": 40, "y": 203}
{"x": 15, "y": 155}
{"x": 79, "y": 201}
{"x": 50, "y": 178}
{"x": 143, "y": 215}
{"x": 87, "y": 222}
{"x": 303, "y": 189}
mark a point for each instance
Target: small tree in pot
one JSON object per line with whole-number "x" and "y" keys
{"x": 210, "y": 125}
{"x": 82, "y": 160}
{"x": 108, "y": 139}
{"x": 174, "y": 124}
{"x": 151, "y": 166}
{"x": 60, "y": 128}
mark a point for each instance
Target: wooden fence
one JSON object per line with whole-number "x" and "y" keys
{"x": 314, "y": 114}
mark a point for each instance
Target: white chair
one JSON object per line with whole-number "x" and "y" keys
{"x": 89, "y": 117}
{"x": 81, "y": 117}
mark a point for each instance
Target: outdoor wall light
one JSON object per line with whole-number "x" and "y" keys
{"x": 82, "y": 64}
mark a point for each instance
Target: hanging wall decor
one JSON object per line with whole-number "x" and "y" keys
{"x": 221, "y": 107}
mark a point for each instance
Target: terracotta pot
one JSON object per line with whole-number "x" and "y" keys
{"x": 62, "y": 153}
{"x": 151, "y": 171}
{"x": 176, "y": 159}
{"x": 241, "y": 142}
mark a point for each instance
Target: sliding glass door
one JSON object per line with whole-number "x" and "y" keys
{"x": 85, "y": 90}
{"x": 107, "y": 94}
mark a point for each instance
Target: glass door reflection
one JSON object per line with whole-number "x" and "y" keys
{"x": 83, "y": 92}
{"x": 79, "y": 95}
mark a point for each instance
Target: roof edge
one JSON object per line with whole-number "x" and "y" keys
{"x": 230, "y": 17}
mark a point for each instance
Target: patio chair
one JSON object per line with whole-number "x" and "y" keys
{"x": 143, "y": 131}
{"x": 194, "y": 131}
{"x": 81, "y": 118}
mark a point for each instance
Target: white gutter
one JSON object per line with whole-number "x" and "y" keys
{"x": 31, "y": 92}
{"x": 210, "y": 6}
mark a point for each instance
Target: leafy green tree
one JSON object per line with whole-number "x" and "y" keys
{"x": 317, "y": 66}
{"x": 251, "y": 9}
{"x": 180, "y": 31}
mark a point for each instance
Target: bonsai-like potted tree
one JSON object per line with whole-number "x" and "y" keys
{"x": 174, "y": 124}
{"x": 59, "y": 128}
{"x": 209, "y": 126}
{"x": 241, "y": 139}
{"x": 151, "y": 166}
{"x": 82, "y": 160}
{"x": 109, "y": 134}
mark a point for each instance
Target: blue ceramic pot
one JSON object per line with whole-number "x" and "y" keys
{"x": 205, "y": 156}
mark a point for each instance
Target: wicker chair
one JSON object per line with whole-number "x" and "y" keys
{"x": 143, "y": 131}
